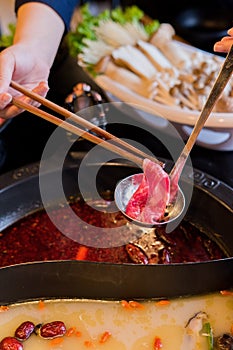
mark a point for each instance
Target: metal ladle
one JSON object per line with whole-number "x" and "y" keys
{"x": 126, "y": 187}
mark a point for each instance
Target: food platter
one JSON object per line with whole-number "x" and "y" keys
{"x": 155, "y": 70}
{"x": 174, "y": 114}
{"x": 218, "y": 133}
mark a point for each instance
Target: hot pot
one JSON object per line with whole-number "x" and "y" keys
{"x": 211, "y": 207}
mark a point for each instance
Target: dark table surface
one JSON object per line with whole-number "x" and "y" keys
{"x": 23, "y": 139}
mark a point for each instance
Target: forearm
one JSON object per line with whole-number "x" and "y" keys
{"x": 40, "y": 28}
{"x": 64, "y": 8}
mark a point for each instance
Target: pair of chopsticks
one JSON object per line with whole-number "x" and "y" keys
{"x": 116, "y": 145}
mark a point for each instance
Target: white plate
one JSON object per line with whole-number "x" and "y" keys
{"x": 218, "y": 133}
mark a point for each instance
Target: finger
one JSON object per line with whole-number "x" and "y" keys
{"x": 230, "y": 31}
{"x": 224, "y": 45}
{"x": 12, "y": 111}
{"x": 41, "y": 89}
{"x": 5, "y": 99}
{"x": 7, "y": 63}
{"x": 6, "y": 71}
{"x": 218, "y": 47}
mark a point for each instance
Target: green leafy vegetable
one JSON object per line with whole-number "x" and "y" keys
{"x": 130, "y": 14}
{"x": 208, "y": 333}
{"x": 7, "y": 39}
{"x": 151, "y": 27}
{"x": 86, "y": 28}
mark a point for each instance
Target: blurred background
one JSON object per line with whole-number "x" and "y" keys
{"x": 201, "y": 23}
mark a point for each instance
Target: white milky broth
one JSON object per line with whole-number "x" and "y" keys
{"x": 122, "y": 326}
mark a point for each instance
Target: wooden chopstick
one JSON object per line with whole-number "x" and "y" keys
{"x": 80, "y": 132}
{"x": 80, "y": 121}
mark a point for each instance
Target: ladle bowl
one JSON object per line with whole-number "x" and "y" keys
{"x": 124, "y": 191}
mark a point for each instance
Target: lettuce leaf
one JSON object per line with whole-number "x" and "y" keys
{"x": 7, "y": 39}
{"x": 86, "y": 28}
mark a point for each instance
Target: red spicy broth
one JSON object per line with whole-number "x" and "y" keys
{"x": 35, "y": 238}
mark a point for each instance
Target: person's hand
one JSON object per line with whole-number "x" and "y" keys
{"x": 26, "y": 69}
{"x": 225, "y": 43}
{"x": 28, "y": 61}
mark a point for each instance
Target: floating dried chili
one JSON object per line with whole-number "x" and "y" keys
{"x": 81, "y": 253}
{"x": 125, "y": 304}
{"x": 41, "y": 305}
{"x": 88, "y": 344}
{"x": 4, "y": 308}
{"x": 163, "y": 302}
{"x": 136, "y": 304}
{"x": 157, "y": 344}
{"x": 56, "y": 341}
{"x": 104, "y": 337}
{"x": 70, "y": 331}
{"x": 226, "y": 292}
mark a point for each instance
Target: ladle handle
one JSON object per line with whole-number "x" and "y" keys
{"x": 218, "y": 87}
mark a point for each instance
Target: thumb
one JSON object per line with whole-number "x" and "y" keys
{"x": 6, "y": 72}
{"x": 7, "y": 66}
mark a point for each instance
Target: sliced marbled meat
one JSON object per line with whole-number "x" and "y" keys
{"x": 138, "y": 201}
{"x": 149, "y": 202}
